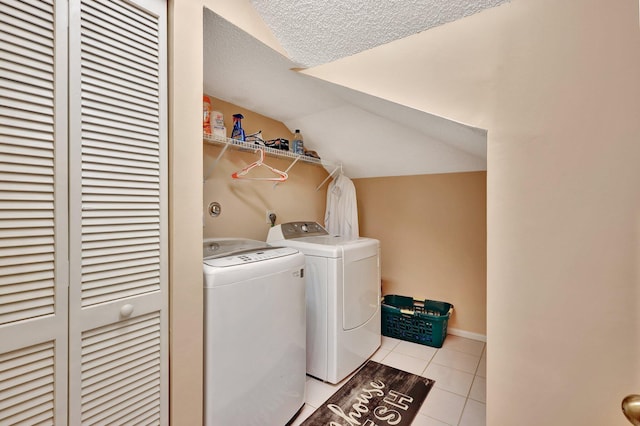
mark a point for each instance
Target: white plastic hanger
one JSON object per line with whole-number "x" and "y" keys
{"x": 330, "y": 176}
{"x": 282, "y": 176}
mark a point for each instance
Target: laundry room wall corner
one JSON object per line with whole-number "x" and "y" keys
{"x": 433, "y": 235}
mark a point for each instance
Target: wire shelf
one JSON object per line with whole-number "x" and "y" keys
{"x": 247, "y": 146}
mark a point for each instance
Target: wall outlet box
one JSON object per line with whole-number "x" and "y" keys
{"x": 267, "y": 214}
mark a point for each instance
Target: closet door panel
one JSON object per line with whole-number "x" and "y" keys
{"x": 118, "y": 232}
{"x": 121, "y": 371}
{"x": 28, "y": 385}
{"x": 33, "y": 212}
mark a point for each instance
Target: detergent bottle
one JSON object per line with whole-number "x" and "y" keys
{"x": 206, "y": 114}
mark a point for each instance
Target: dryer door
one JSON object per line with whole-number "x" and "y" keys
{"x": 361, "y": 289}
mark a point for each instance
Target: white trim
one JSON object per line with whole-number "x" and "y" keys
{"x": 467, "y": 334}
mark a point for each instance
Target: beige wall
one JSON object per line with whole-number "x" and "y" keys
{"x": 432, "y": 232}
{"x": 185, "y": 207}
{"x": 245, "y": 202}
{"x": 557, "y": 85}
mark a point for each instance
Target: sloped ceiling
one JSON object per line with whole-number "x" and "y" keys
{"x": 369, "y": 136}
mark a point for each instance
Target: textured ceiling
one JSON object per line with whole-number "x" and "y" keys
{"x": 369, "y": 136}
{"x": 316, "y": 32}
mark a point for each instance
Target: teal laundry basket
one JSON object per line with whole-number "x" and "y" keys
{"x": 418, "y": 321}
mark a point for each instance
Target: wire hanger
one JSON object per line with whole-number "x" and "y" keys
{"x": 282, "y": 176}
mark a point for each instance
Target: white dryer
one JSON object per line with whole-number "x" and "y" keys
{"x": 343, "y": 297}
{"x": 254, "y": 333}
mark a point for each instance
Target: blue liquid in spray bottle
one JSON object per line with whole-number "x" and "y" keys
{"x": 238, "y": 131}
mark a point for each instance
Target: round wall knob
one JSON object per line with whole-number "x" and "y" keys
{"x": 215, "y": 209}
{"x": 126, "y": 310}
{"x": 631, "y": 409}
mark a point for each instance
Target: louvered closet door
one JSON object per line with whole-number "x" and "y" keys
{"x": 118, "y": 233}
{"x": 33, "y": 213}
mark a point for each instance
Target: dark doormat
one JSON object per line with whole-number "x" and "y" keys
{"x": 376, "y": 395}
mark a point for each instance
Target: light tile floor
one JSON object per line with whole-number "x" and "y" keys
{"x": 459, "y": 368}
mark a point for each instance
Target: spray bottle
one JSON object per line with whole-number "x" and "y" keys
{"x": 238, "y": 131}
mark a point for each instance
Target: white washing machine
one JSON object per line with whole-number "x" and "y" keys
{"x": 254, "y": 333}
{"x": 343, "y": 297}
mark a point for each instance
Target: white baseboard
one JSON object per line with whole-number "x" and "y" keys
{"x": 467, "y": 334}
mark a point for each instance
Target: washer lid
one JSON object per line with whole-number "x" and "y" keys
{"x": 214, "y": 248}
{"x": 250, "y": 256}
